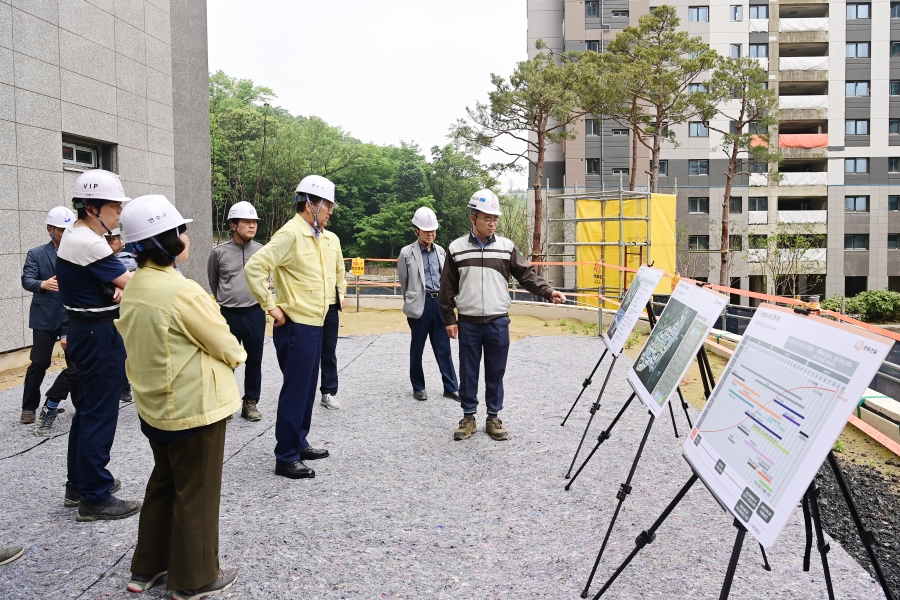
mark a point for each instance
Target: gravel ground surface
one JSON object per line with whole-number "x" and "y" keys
{"x": 402, "y": 511}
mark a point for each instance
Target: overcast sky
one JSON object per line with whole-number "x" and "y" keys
{"x": 385, "y": 71}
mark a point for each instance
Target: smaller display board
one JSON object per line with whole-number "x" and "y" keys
{"x": 776, "y": 411}
{"x": 642, "y": 286}
{"x": 358, "y": 266}
{"x": 673, "y": 343}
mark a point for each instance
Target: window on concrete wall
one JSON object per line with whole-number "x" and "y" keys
{"x": 759, "y": 50}
{"x": 857, "y": 49}
{"x": 663, "y": 167}
{"x": 894, "y": 165}
{"x": 894, "y": 88}
{"x": 620, "y": 14}
{"x": 591, "y": 9}
{"x": 621, "y": 171}
{"x": 859, "y": 11}
{"x": 893, "y": 202}
{"x": 856, "y": 204}
{"x": 759, "y": 11}
{"x": 893, "y": 241}
{"x": 592, "y": 127}
{"x": 735, "y": 298}
{"x": 856, "y": 165}
{"x": 593, "y": 166}
{"x": 698, "y": 242}
{"x": 698, "y": 14}
{"x": 855, "y": 285}
{"x": 895, "y": 10}
{"x": 756, "y": 167}
{"x": 894, "y": 126}
{"x": 856, "y": 241}
{"x": 76, "y": 155}
{"x": 735, "y": 204}
{"x": 698, "y": 129}
{"x": 758, "y": 203}
{"x": 737, "y": 13}
{"x": 856, "y": 127}
{"x": 592, "y": 45}
{"x": 857, "y": 89}
{"x": 620, "y": 132}
{"x": 693, "y": 88}
{"x": 894, "y": 283}
{"x": 895, "y": 49}
{"x": 698, "y": 206}
{"x": 698, "y": 167}
{"x": 736, "y": 242}
{"x": 754, "y": 128}
{"x": 758, "y": 241}
{"x": 734, "y": 50}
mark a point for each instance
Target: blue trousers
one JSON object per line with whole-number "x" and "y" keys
{"x": 249, "y": 327}
{"x": 330, "y": 328}
{"x": 493, "y": 339}
{"x": 98, "y": 351}
{"x": 431, "y": 323}
{"x": 298, "y": 348}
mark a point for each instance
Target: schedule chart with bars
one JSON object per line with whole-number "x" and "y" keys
{"x": 765, "y": 429}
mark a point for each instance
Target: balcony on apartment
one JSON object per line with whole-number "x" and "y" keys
{"x": 797, "y": 173}
{"x": 803, "y": 23}
{"x": 803, "y": 139}
{"x": 803, "y": 61}
{"x": 809, "y": 211}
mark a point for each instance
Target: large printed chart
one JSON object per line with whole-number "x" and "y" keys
{"x": 673, "y": 343}
{"x": 777, "y": 409}
{"x": 632, "y": 306}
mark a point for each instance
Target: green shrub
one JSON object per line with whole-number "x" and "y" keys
{"x": 876, "y": 305}
{"x": 832, "y": 304}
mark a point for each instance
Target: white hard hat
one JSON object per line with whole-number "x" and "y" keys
{"x": 148, "y": 216}
{"x": 100, "y": 185}
{"x": 485, "y": 201}
{"x": 60, "y": 217}
{"x": 112, "y": 232}
{"x": 242, "y": 210}
{"x": 425, "y": 219}
{"x": 316, "y": 185}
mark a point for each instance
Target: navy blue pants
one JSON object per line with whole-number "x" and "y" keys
{"x": 298, "y": 348}
{"x": 493, "y": 339}
{"x": 431, "y": 323}
{"x": 329, "y": 383}
{"x": 41, "y": 358}
{"x": 98, "y": 351}
{"x": 249, "y": 327}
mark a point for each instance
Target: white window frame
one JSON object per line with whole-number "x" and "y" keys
{"x": 759, "y": 8}
{"x": 853, "y": 9}
{"x": 856, "y": 85}
{"x": 856, "y": 46}
{"x": 95, "y": 154}
{"x": 736, "y": 13}
{"x": 619, "y": 132}
{"x": 620, "y": 14}
{"x": 755, "y": 50}
{"x": 588, "y": 162}
{"x": 592, "y": 127}
{"x": 735, "y": 50}
{"x": 588, "y": 12}
{"x": 699, "y": 161}
{"x": 698, "y": 129}
{"x": 698, "y": 14}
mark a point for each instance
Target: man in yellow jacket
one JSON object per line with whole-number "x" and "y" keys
{"x": 301, "y": 261}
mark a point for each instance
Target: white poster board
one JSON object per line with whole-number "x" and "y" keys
{"x": 673, "y": 343}
{"x": 776, "y": 411}
{"x": 632, "y": 306}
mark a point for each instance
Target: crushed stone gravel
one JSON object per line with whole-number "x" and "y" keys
{"x": 400, "y": 510}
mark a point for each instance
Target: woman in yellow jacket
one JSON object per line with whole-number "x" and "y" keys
{"x": 180, "y": 360}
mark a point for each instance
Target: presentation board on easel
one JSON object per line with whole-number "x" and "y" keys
{"x": 673, "y": 343}
{"x": 776, "y": 412}
{"x": 642, "y": 286}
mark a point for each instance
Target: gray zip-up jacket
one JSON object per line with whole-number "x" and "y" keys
{"x": 475, "y": 281}
{"x": 225, "y": 270}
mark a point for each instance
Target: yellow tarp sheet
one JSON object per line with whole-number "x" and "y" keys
{"x": 661, "y": 249}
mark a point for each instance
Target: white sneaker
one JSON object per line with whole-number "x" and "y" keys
{"x": 330, "y": 402}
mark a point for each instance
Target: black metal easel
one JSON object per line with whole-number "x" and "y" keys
{"x": 811, "y": 509}
{"x": 586, "y": 383}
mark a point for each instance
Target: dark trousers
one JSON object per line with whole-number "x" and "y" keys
{"x": 41, "y": 358}
{"x": 98, "y": 351}
{"x": 298, "y": 348}
{"x": 249, "y": 327}
{"x": 179, "y": 526}
{"x": 329, "y": 383}
{"x": 431, "y": 323}
{"x": 493, "y": 339}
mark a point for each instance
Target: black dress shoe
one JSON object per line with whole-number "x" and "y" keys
{"x": 452, "y": 395}
{"x": 310, "y": 453}
{"x": 294, "y": 470}
{"x": 420, "y": 395}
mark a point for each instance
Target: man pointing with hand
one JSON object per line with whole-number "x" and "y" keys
{"x": 298, "y": 257}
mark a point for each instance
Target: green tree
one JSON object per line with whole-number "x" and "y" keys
{"x": 534, "y": 108}
{"x": 390, "y": 228}
{"x": 738, "y": 92}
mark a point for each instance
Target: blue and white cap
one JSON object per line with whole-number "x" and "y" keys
{"x": 485, "y": 201}
{"x": 60, "y": 216}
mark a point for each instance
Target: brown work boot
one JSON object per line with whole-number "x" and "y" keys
{"x": 466, "y": 428}
{"x": 495, "y": 429}
{"x": 28, "y": 417}
{"x": 249, "y": 411}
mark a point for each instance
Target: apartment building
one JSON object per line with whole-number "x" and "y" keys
{"x": 87, "y": 84}
{"x": 836, "y": 69}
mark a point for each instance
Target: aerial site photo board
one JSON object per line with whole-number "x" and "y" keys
{"x": 634, "y": 303}
{"x": 776, "y": 412}
{"x": 673, "y": 343}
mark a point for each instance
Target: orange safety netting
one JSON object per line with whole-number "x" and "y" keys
{"x": 803, "y": 140}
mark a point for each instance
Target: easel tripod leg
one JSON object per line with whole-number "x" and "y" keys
{"x": 766, "y": 565}
{"x": 807, "y": 522}
{"x": 674, "y": 426}
{"x": 648, "y": 535}
{"x": 732, "y": 564}
{"x": 584, "y": 386}
{"x": 604, "y": 435}
{"x": 624, "y": 490}
{"x": 812, "y": 495}
{"x": 594, "y": 408}
{"x": 684, "y": 407}
{"x": 865, "y": 536}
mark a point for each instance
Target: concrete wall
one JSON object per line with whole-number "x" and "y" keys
{"x": 125, "y": 76}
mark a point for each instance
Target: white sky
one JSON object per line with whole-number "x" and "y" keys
{"x": 384, "y": 70}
